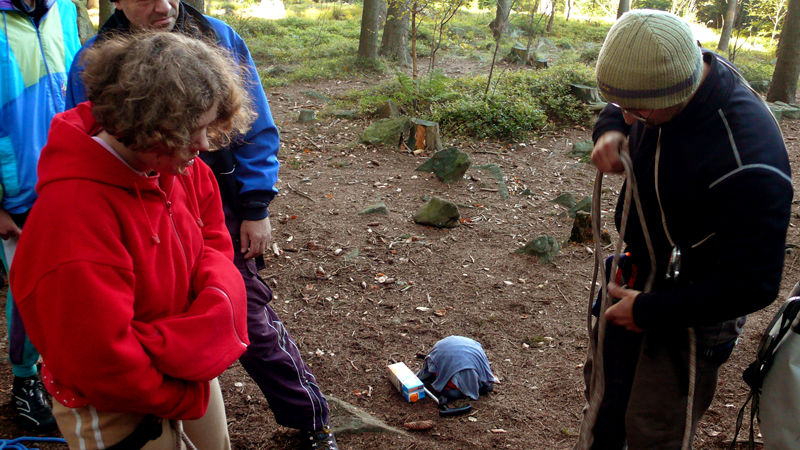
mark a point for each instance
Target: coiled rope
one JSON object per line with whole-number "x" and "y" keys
{"x": 596, "y": 342}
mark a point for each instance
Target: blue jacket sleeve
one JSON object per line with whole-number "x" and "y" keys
{"x": 256, "y": 154}
{"x": 76, "y": 92}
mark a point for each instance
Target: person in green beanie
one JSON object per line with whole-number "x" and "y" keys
{"x": 715, "y": 188}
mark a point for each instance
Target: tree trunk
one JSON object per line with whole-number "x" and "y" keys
{"x": 106, "y": 10}
{"x": 787, "y": 67}
{"x": 196, "y": 4}
{"x": 727, "y": 25}
{"x": 394, "y": 43}
{"x": 414, "y": 9}
{"x": 85, "y": 26}
{"x": 500, "y": 22}
{"x": 92, "y": 4}
{"x": 567, "y": 9}
{"x": 368, "y": 39}
{"x": 552, "y": 16}
{"x": 625, "y": 6}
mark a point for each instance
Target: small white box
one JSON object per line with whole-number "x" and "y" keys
{"x": 406, "y": 382}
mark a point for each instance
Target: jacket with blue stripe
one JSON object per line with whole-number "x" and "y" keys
{"x": 247, "y": 170}
{"x": 723, "y": 181}
{"x": 33, "y": 69}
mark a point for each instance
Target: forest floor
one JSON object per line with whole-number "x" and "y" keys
{"x": 350, "y": 322}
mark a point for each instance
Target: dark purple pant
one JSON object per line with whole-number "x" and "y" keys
{"x": 273, "y": 360}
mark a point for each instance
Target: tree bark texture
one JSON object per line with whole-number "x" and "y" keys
{"x": 727, "y": 25}
{"x": 368, "y": 39}
{"x": 85, "y": 26}
{"x": 500, "y": 23}
{"x": 106, "y": 10}
{"x": 552, "y": 15}
{"x": 394, "y": 43}
{"x": 625, "y": 6}
{"x": 787, "y": 67}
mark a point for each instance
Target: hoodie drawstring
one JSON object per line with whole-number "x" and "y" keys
{"x": 193, "y": 203}
{"x": 153, "y": 234}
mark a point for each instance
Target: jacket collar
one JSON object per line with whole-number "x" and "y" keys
{"x": 7, "y": 5}
{"x": 189, "y": 21}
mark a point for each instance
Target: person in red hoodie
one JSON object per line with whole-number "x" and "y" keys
{"x": 124, "y": 276}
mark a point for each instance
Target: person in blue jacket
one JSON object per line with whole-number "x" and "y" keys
{"x": 247, "y": 172}
{"x": 38, "y": 40}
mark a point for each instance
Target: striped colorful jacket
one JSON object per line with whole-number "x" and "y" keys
{"x": 33, "y": 68}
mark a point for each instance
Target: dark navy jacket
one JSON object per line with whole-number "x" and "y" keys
{"x": 248, "y": 169}
{"x": 725, "y": 187}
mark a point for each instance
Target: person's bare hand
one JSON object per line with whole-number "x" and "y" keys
{"x": 8, "y": 228}
{"x": 605, "y": 154}
{"x": 255, "y": 237}
{"x": 621, "y": 313}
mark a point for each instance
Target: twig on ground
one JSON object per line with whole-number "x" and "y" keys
{"x": 562, "y": 294}
{"x": 353, "y": 364}
{"x": 300, "y": 193}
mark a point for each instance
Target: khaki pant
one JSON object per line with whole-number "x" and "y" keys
{"x": 88, "y": 429}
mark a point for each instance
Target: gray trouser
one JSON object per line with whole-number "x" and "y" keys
{"x": 646, "y": 391}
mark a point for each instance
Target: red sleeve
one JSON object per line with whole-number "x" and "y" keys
{"x": 90, "y": 343}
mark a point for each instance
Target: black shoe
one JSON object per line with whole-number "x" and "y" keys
{"x": 30, "y": 404}
{"x": 321, "y": 439}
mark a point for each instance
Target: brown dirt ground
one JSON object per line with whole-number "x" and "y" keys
{"x": 350, "y": 326}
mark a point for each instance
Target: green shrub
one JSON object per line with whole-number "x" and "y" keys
{"x": 497, "y": 117}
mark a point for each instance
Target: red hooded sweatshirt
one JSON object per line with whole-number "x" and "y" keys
{"x": 126, "y": 283}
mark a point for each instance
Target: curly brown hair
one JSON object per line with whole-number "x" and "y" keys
{"x": 149, "y": 89}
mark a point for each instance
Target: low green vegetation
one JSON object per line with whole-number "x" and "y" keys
{"x": 319, "y": 41}
{"x": 518, "y": 103}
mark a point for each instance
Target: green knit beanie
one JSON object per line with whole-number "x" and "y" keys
{"x": 650, "y": 60}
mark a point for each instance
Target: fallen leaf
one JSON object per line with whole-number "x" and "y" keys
{"x": 423, "y": 308}
{"x": 472, "y": 419}
{"x": 440, "y": 313}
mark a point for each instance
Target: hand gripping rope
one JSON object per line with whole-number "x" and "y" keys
{"x": 596, "y": 342}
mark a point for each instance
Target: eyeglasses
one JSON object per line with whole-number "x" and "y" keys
{"x": 636, "y": 116}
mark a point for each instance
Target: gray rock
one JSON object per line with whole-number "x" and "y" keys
{"x": 584, "y": 205}
{"x": 380, "y": 208}
{"x": 776, "y": 111}
{"x": 566, "y": 199}
{"x": 586, "y": 94}
{"x": 581, "y": 149}
{"x": 346, "y": 418}
{"x": 317, "y": 95}
{"x": 448, "y": 165}
{"x": 387, "y": 110}
{"x": 790, "y": 112}
{"x": 545, "y": 247}
{"x": 497, "y": 174}
{"x": 438, "y": 213}
{"x": 780, "y": 110}
{"x": 344, "y": 114}
{"x": 307, "y": 115}
{"x": 386, "y": 131}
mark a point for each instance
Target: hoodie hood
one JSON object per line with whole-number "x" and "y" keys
{"x": 71, "y": 154}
